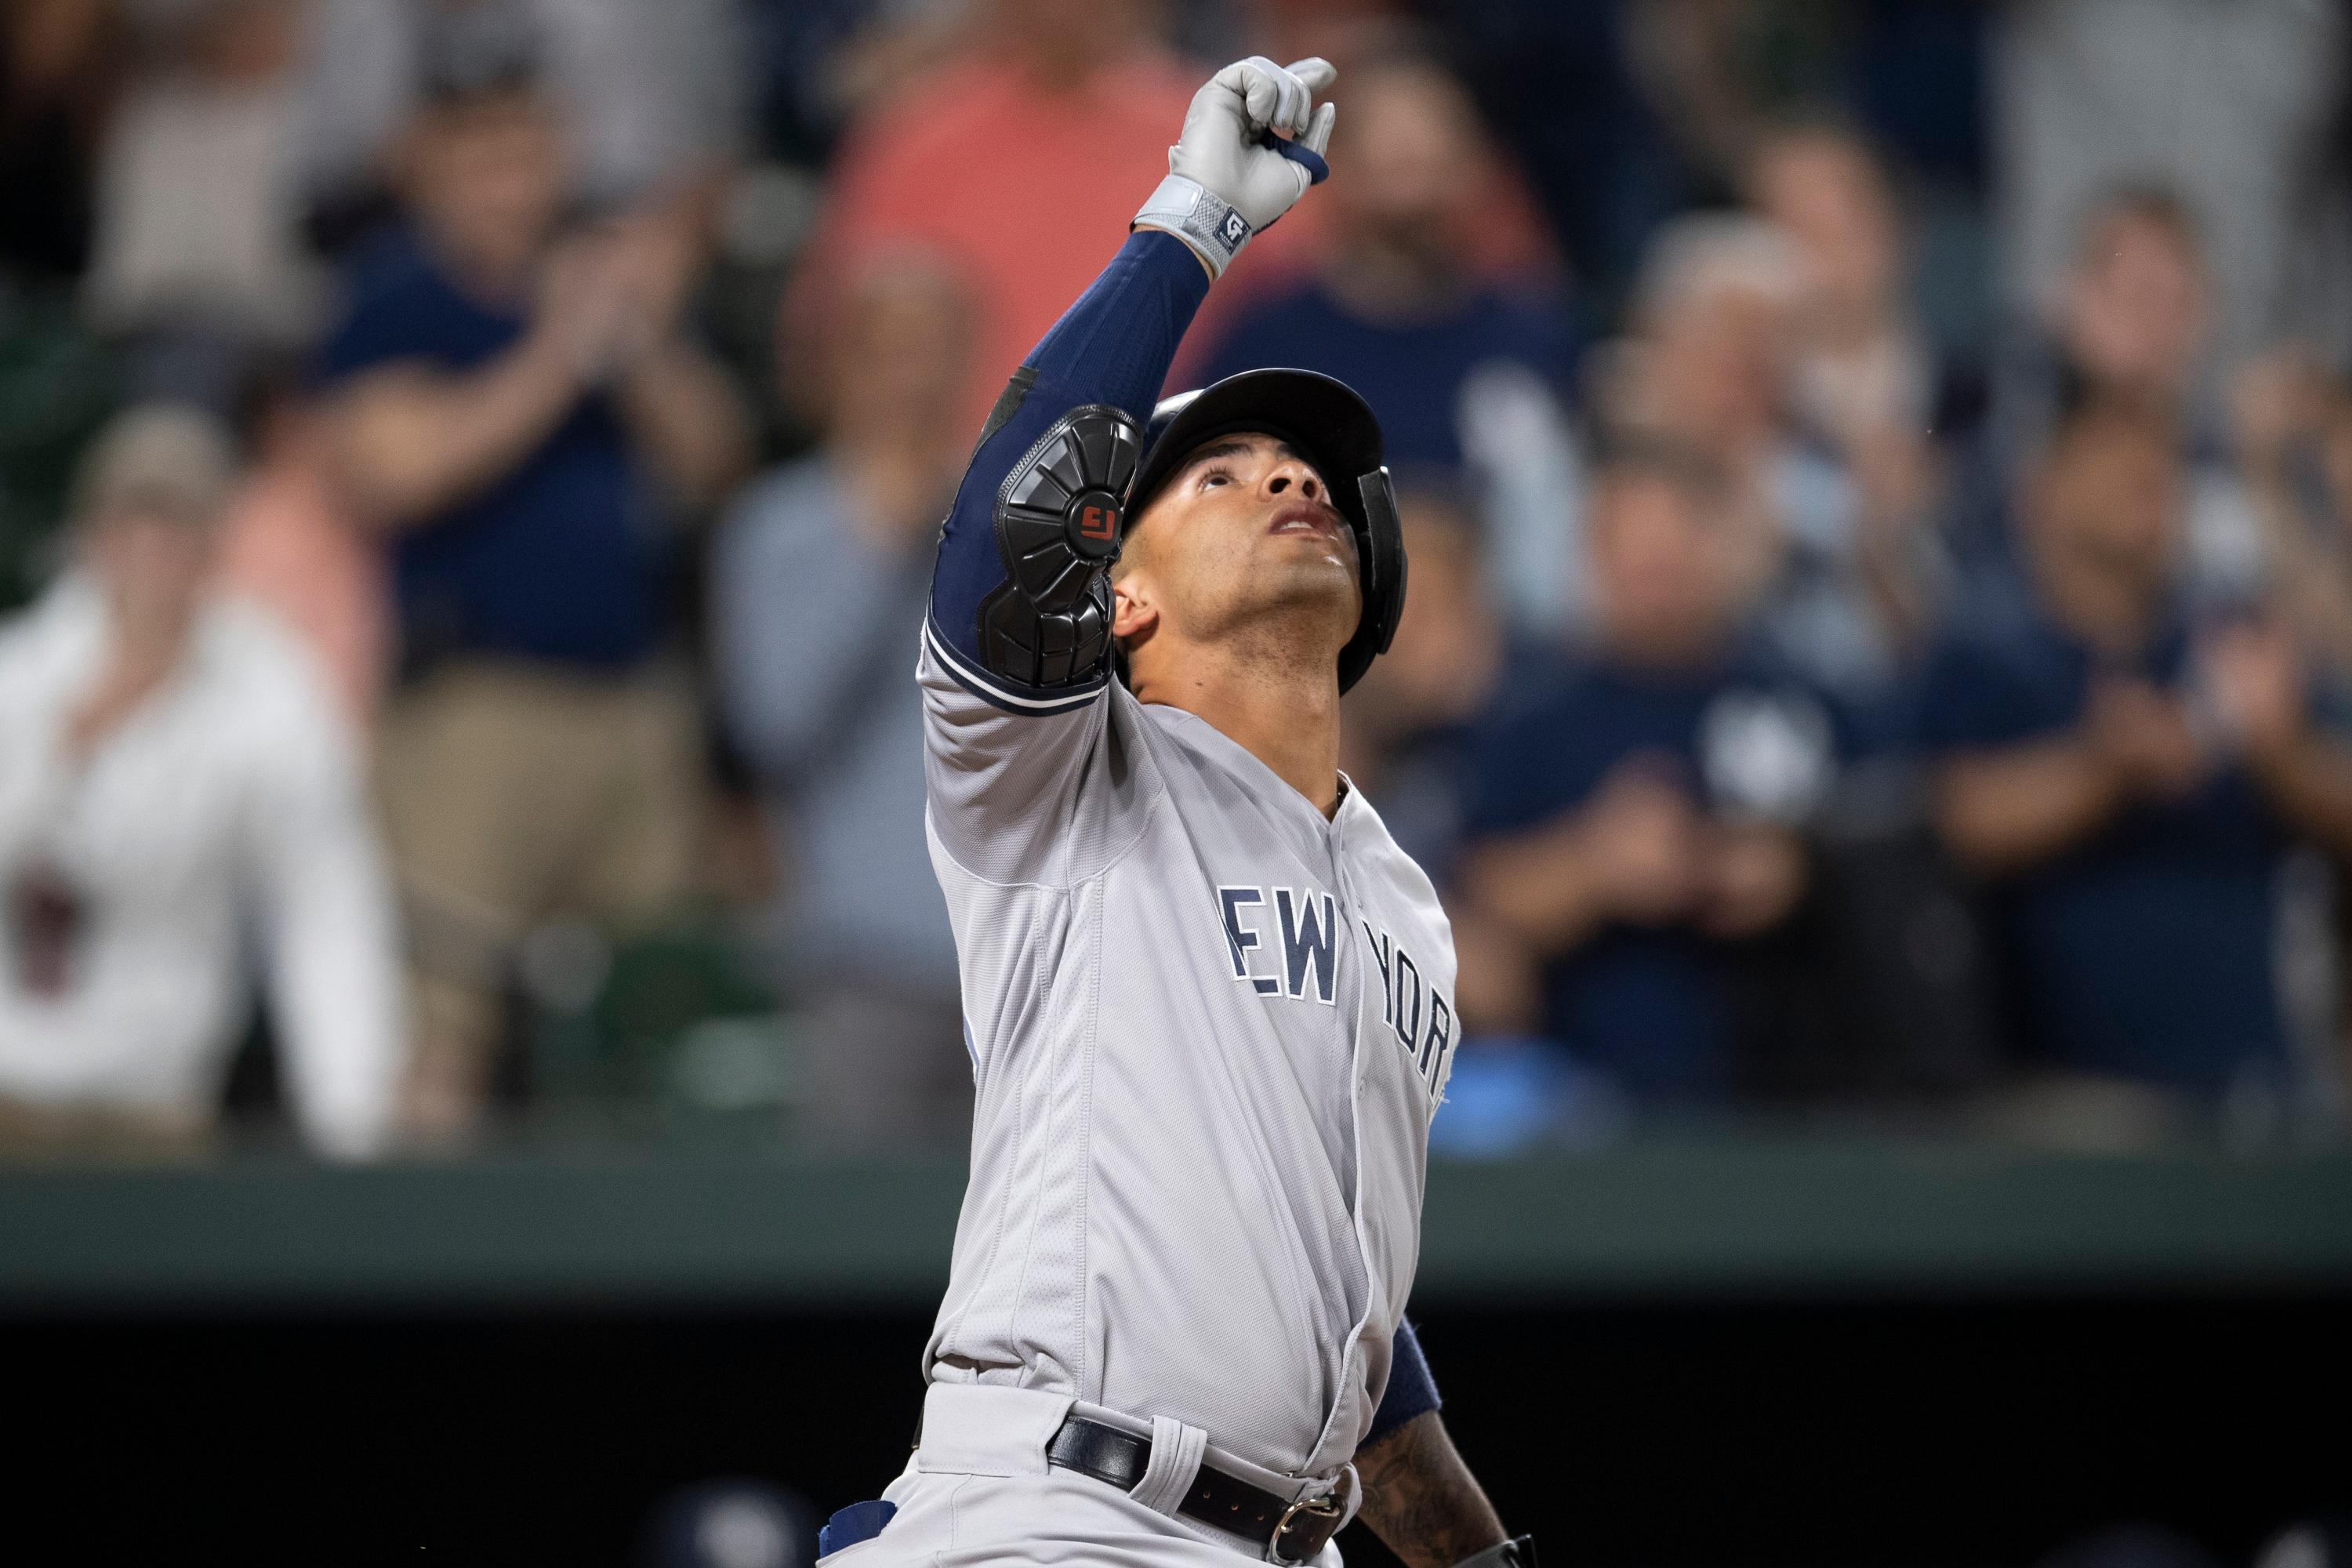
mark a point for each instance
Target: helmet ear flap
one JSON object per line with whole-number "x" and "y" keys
{"x": 1380, "y": 549}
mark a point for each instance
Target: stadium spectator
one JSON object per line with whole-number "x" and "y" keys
{"x": 1409, "y": 718}
{"x": 1565, "y": 93}
{"x": 1045, "y": 125}
{"x": 1413, "y": 729}
{"x": 200, "y": 257}
{"x": 2132, "y": 322}
{"x": 1832, "y": 566}
{"x": 1402, "y": 307}
{"x": 1863, "y": 378}
{"x": 2129, "y": 780}
{"x": 517, "y": 407}
{"x": 1632, "y": 810}
{"x": 1672, "y": 99}
{"x": 2228, "y": 107}
{"x": 1399, "y": 307}
{"x": 1863, "y": 382}
{"x": 174, "y": 776}
{"x": 818, "y": 579}
{"x": 654, "y": 88}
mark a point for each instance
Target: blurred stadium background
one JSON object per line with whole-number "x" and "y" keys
{"x": 480, "y": 1069}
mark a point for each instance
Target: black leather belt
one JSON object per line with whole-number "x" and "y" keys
{"x": 1289, "y": 1532}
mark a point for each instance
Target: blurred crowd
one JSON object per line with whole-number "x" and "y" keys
{"x": 1878, "y": 481}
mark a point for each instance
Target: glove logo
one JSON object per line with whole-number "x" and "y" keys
{"x": 1234, "y": 230}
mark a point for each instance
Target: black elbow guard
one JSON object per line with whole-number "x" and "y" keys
{"x": 1058, "y": 518}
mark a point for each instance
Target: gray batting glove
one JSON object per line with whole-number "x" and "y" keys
{"x": 1232, "y": 172}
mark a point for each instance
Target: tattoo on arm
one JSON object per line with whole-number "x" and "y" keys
{"x": 1419, "y": 1497}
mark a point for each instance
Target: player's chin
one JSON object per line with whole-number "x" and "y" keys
{"x": 1312, "y": 580}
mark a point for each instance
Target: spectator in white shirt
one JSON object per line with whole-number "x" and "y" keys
{"x": 175, "y": 779}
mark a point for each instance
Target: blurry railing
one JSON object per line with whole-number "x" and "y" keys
{"x": 578, "y": 1227}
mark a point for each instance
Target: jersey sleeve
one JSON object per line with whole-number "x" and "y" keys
{"x": 1019, "y": 714}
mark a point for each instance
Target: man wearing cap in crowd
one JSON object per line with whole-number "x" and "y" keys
{"x": 175, "y": 777}
{"x": 512, "y": 402}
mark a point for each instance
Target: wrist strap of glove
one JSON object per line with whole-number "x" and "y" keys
{"x": 1204, "y": 220}
{"x": 1519, "y": 1551}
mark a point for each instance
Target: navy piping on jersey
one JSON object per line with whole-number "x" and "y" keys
{"x": 1011, "y": 696}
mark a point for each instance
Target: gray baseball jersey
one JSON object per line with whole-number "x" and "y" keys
{"x": 1209, "y": 1030}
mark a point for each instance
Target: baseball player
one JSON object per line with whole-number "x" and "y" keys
{"x": 1209, "y": 1002}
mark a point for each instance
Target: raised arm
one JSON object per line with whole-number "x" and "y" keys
{"x": 1021, "y": 594}
{"x": 1016, "y": 645}
{"x": 1020, "y": 589}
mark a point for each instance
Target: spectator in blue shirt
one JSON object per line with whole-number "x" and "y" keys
{"x": 2128, "y": 781}
{"x": 1632, "y": 812}
{"x": 2133, "y": 320}
{"x": 1836, "y": 568}
{"x": 1448, "y": 361}
{"x": 514, "y": 406}
{"x": 1411, "y": 718}
{"x": 818, "y": 701}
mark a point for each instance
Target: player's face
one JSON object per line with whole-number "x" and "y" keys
{"x": 1243, "y": 532}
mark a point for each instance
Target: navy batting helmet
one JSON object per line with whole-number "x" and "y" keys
{"x": 1326, "y": 423}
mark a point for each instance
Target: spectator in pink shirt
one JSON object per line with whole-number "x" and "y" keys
{"x": 1017, "y": 161}
{"x": 1040, "y": 127}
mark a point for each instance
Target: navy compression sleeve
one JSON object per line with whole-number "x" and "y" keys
{"x": 1111, "y": 348}
{"x": 1411, "y": 1391}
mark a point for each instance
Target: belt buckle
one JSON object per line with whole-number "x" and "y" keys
{"x": 1324, "y": 1507}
